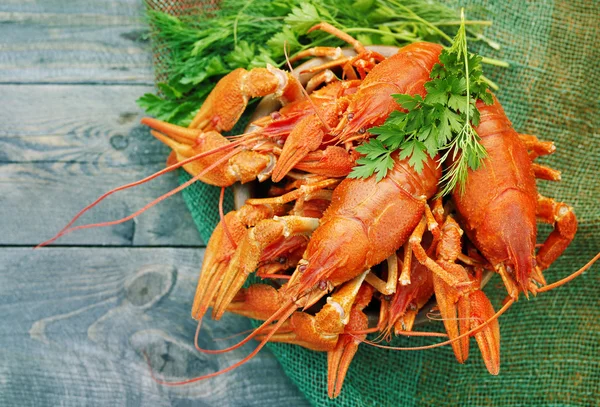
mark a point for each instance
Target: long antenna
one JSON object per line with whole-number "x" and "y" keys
{"x": 570, "y": 277}
{"x": 261, "y": 345}
{"x": 448, "y": 342}
{"x": 146, "y": 207}
{"x": 304, "y": 91}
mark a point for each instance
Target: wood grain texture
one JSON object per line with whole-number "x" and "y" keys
{"x": 63, "y": 146}
{"x": 62, "y": 41}
{"x": 76, "y": 321}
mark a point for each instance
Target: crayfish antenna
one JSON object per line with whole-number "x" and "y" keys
{"x": 448, "y": 342}
{"x": 182, "y": 132}
{"x": 112, "y": 191}
{"x": 68, "y": 229}
{"x": 328, "y": 28}
{"x": 570, "y": 277}
{"x": 304, "y": 91}
{"x": 289, "y": 308}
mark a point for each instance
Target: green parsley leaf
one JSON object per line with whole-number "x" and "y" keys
{"x": 286, "y": 37}
{"x": 416, "y": 151}
{"x": 407, "y": 101}
{"x": 442, "y": 122}
{"x": 377, "y": 158}
{"x": 302, "y": 18}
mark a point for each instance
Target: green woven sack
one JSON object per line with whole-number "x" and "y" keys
{"x": 550, "y": 344}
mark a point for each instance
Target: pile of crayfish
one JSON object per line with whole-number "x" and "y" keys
{"x": 331, "y": 246}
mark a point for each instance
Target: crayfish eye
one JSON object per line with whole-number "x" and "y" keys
{"x": 322, "y": 285}
{"x": 350, "y": 116}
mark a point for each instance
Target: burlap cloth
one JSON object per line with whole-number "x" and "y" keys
{"x": 550, "y": 345}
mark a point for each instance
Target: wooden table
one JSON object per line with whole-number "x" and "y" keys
{"x": 77, "y": 316}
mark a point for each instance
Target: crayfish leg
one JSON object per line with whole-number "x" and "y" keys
{"x": 565, "y": 226}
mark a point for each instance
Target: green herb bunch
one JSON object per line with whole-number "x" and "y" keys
{"x": 204, "y": 47}
{"x": 441, "y": 123}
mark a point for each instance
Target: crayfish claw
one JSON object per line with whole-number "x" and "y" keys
{"x": 488, "y": 338}
{"x": 454, "y": 309}
{"x": 339, "y": 359}
{"x": 259, "y": 301}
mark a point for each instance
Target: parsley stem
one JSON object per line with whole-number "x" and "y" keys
{"x": 490, "y": 83}
{"x": 427, "y": 23}
{"x": 495, "y": 62}
{"x": 237, "y": 18}
{"x": 438, "y": 24}
{"x": 490, "y": 43}
{"x": 375, "y": 31}
{"x": 466, "y": 56}
{"x": 466, "y": 22}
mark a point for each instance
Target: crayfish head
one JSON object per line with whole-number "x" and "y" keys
{"x": 369, "y": 107}
{"x": 335, "y": 254}
{"x": 509, "y": 239}
{"x": 519, "y": 242}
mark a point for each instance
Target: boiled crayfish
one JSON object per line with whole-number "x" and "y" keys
{"x": 334, "y": 243}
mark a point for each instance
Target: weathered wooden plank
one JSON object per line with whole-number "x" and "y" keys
{"x": 74, "y": 42}
{"x": 86, "y": 118}
{"x": 63, "y": 146}
{"x": 129, "y": 8}
{"x": 75, "y": 324}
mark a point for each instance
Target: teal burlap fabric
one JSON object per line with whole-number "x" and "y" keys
{"x": 550, "y": 345}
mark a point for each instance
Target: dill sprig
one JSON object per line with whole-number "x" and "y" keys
{"x": 203, "y": 48}
{"x": 442, "y": 122}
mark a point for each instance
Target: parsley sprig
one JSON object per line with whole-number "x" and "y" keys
{"x": 442, "y": 122}
{"x": 197, "y": 50}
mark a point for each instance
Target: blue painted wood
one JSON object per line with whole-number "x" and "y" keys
{"x": 62, "y": 146}
{"x": 58, "y": 41}
{"x": 75, "y": 320}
